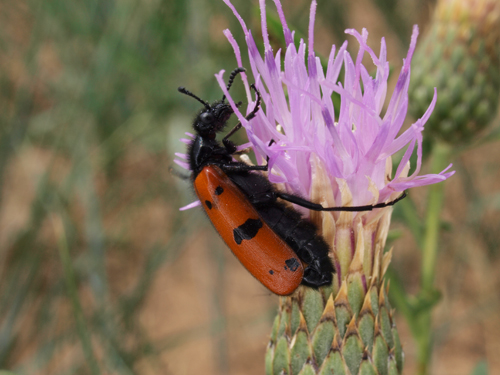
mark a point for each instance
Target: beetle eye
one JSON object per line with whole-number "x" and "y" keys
{"x": 207, "y": 117}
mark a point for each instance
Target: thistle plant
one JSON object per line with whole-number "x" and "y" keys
{"x": 336, "y": 157}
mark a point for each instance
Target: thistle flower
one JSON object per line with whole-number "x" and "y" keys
{"x": 335, "y": 157}
{"x": 460, "y": 54}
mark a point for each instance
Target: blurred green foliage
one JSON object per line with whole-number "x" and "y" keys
{"x": 89, "y": 89}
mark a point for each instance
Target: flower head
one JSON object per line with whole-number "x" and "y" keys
{"x": 352, "y": 144}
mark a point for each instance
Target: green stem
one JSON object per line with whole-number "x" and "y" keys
{"x": 70, "y": 279}
{"x": 440, "y": 159}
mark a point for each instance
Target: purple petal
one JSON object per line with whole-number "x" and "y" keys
{"x": 190, "y": 205}
{"x": 286, "y": 31}
{"x": 182, "y": 164}
{"x": 312, "y": 17}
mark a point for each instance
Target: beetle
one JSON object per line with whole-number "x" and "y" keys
{"x": 274, "y": 242}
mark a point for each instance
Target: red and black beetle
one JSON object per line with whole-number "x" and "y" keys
{"x": 273, "y": 241}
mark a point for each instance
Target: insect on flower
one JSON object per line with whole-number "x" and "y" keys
{"x": 273, "y": 241}
{"x": 328, "y": 154}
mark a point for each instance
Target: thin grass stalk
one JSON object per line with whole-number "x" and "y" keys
{"x": 71, "y": 285}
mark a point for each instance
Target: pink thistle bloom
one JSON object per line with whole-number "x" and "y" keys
{"x": 353, "y": 144}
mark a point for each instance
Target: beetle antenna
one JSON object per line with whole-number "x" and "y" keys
{"x": 233, "y": 75}
{"x": 189, "y": 93}
{"x": 252, "y": 114}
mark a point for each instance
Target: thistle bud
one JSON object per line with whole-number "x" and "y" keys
{"x": 460, "y": 54}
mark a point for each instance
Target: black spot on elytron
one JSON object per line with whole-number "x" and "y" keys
{"x": 219, "y": 190}
{"x": 293, "y": 264}
{"x": 271, "y": 272}
{"x": 247, "y": 231}
{"x": 209, "y": 204}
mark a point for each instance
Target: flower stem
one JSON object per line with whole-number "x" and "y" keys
{"x": 440, "y": 159}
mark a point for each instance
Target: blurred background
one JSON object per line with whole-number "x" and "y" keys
{"x": 99, "y": 271}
